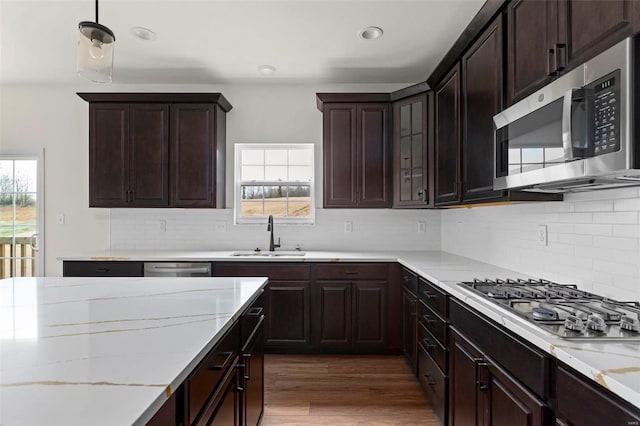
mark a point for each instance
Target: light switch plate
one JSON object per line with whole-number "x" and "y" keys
{"x": 542, "y": 235}
{"x": 348, "y": 226}
{"x": 422, "y": 227}
{"x": 162, "y": 225}
{"x": 61, "y": 219}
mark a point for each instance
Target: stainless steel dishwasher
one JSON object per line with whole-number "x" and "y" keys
{"x": 177, "y": 269}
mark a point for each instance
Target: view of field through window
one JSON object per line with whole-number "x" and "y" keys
{"x": 276, "y": 181}
{"x": 18, "y": 188}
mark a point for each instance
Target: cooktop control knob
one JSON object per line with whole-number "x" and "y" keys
{"x": 573, "y": 323}
{"x": 630, "y": 324}
{"x": 596, "y": 323}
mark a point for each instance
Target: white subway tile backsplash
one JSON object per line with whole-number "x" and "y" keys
{"x": 593, "y": 239}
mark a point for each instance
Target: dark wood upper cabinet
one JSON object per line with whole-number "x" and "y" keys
{"x": 193, "y": 155}
{"x": 149, "y": 153}
{"x": 411, "y": 152}
{"x": 108, "y": 155}
{"x": 447, "y": 139}
{"x": 357, "y": 150}
{"x": 482, "y": 98}
{"x": 531, "y": 46}
{"x": 157, "y": 149}
{"x": 586, "y": 28}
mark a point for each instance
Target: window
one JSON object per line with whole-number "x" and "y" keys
{"x": 274, "y": 180}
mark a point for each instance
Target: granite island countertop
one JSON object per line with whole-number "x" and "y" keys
{"x": 614, "y": 365}
{"x": 107, "y": 351}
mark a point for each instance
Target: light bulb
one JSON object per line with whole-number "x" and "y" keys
{"x": 95, "y": 51}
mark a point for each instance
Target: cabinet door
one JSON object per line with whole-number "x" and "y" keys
{"x": 340, "y": 155}
{"x": 193, "y": 155}
{"x": 447, "y": 143}
{"x": 590, "y": 27}
{"x": 509, "y": 403}
{"x": 532, "y": 29}
{"x": 253, "y": 379}
{"x": 369, "y": 309}
{"x": 108, "y": 155}
{"x": 409, "y": 327}
{"x": 481, "y": 100}
{"x": 332, "y": 318}
{"x": 374, "y": 159}
{"x": 410, "y": 149}
{"x": 466, "y": 400}
{"x": 149, "y": 155}
{"x": 287, "y": 314}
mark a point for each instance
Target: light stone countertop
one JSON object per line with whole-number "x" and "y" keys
{"x": 107, "y": 351}
{"x": 614, "y": 365}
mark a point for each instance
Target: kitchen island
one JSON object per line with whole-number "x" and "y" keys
{"x": 107, "y": 351}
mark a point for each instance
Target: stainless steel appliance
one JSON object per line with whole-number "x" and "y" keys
{"x": 177, "y": 269}
{"x": 563, "y": 309}
{"x": 575, "y": 134}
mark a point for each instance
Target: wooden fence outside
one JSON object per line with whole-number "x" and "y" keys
{"x": 21, "y": 255}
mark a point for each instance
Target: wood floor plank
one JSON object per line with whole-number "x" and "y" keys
{"x": 343, "y": 390}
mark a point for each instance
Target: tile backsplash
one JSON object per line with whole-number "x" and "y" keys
{"x": 184, "y": 229}
{"x": 593, "y": 239}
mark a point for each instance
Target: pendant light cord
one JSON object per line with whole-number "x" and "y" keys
{"x": 96, "y": 11}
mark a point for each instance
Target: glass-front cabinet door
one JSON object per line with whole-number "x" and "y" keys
{"x": 410, "y": 152}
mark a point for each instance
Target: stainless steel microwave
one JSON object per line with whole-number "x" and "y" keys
{"x": 575, "y": 134}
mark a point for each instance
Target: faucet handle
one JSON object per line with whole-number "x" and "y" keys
{"x": 277, "y": 245}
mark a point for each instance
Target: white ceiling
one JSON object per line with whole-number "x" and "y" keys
{"x": 222, "y": 41}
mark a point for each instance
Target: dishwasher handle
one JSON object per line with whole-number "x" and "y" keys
{"x": 183, "y": 270}
{"x": 176, "y": 269}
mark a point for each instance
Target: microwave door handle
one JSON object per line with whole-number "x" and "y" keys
{"x": 567, "y": 140}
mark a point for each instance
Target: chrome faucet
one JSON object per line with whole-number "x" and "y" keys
{"x": 272, "y": 246}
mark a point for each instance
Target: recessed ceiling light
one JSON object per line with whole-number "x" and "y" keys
{"x": 266, "y": 69}
{"x": 144, "y": 34}
{"x": 370, "y": 33}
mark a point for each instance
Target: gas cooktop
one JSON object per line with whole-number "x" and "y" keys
{"x": 563, "y": 309}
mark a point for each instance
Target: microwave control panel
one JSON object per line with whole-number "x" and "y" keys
{"x": 606, "y": 113}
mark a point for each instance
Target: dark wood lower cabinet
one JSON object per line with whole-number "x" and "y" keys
{"x": 482, "y": 393}
{"x": 287, "y": 314}
{"x": 332, "y": 317}
{"x": 409, "y": 327}
{"x": 369, "y": 314}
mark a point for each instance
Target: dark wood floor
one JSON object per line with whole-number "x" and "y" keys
{"x": 343, "y": 390}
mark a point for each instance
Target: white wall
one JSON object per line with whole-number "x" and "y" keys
{"x": 55, "y": 119}
{"x": 593, "y": 239}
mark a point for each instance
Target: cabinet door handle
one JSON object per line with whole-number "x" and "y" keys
{"x": 430, "y": 380}
{"x": 551, "y": 71}
{"x": 560, "y": 57}
{"x": 227, "y": 360}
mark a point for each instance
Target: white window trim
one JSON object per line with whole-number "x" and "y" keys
{"x": 237, "y": 184}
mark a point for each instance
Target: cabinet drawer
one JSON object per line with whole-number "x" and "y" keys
{"x": 433, "y": 297}
{"x": 351, "y": 271}
{"x": 575, "y": 393}
{"x": 102, "y": 269}
{"x": 433, "y": 322}
{"x": 275, "y": 271}
{"x": 410, "y": 280}
{"x": 207, "y": 376}
{"x": 434, "y": 348}
{"x": 434, "y": 383}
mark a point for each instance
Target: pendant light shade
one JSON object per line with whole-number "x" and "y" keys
{"x": 95, "y": 51}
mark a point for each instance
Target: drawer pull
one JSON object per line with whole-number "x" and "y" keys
{"x": 430, "y": 380}
{"x": 255, "y": 311}
{"x": 103, "y": 270}
{"x": 406, "y": 279}
{"x": 227, "y": 360}
{"x": 428, "y": 345}
{"x": 428, "y": 319}
{"x": 428, "y": 295}
{"x": 352, "y": 272}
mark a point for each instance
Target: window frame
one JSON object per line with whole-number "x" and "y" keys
{"x": 238, "y": 183}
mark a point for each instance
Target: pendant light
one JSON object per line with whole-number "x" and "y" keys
{"x": 95, "y": 51}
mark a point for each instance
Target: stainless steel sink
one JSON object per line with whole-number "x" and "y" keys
{"x": 268, "y": 253}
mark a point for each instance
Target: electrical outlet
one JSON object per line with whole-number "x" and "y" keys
{"x": 162, "y": 225}
{"x": 61, "y": 219}
{"x": 221, "y": 226}
{"x": 348, "y": 226}
{"x": 422, "y": 227}
{"x": 542, "y": 235}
